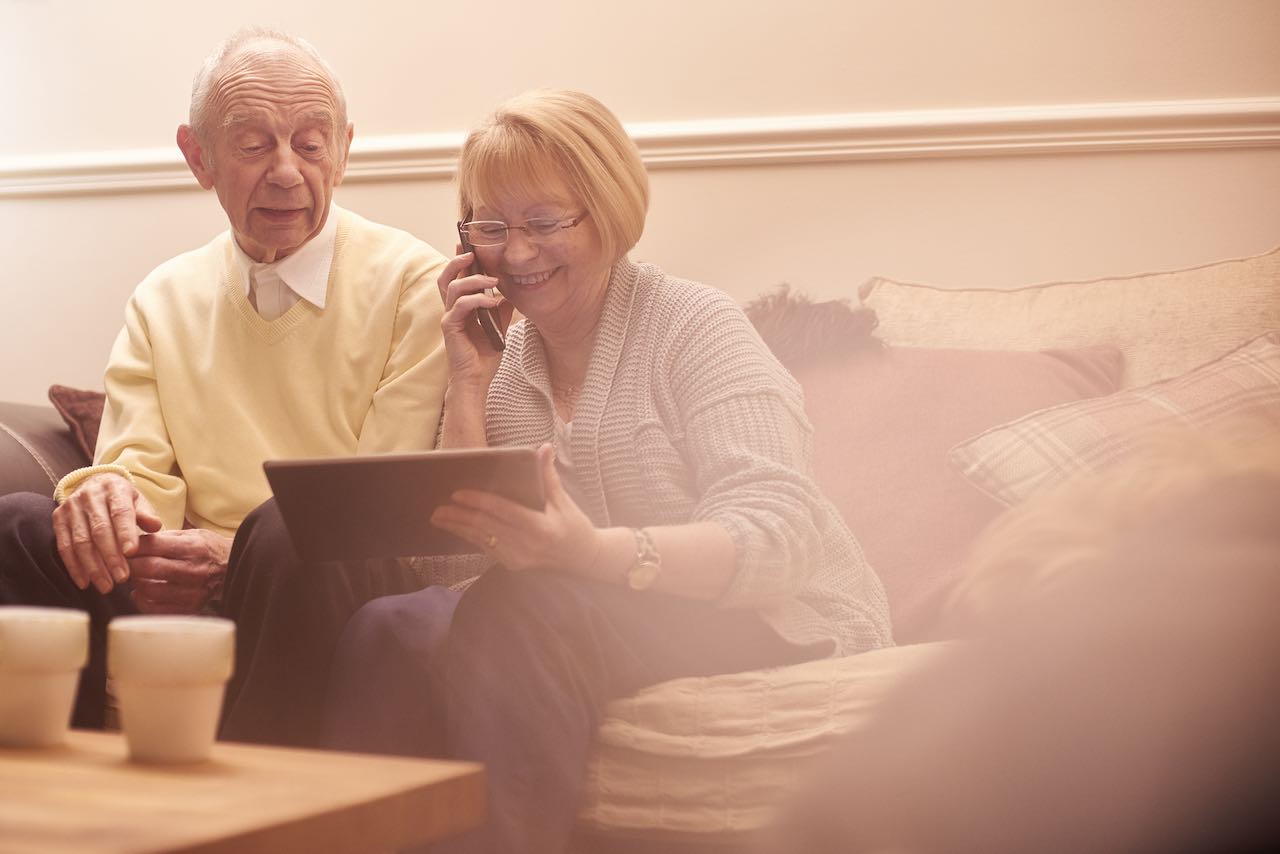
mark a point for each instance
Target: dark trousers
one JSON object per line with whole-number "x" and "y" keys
{"x": 520, "y": 680}
{"x": 289, "y": 614}
{"x": 32, "y": 573}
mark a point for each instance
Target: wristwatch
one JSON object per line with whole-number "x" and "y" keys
{"x": 648, "y": 563}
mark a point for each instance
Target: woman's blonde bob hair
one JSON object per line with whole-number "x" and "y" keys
{"x": 548, "y": 135}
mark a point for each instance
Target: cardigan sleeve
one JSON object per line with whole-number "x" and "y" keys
{"x": 749, "y": 445}
{"x": 133, "y": 432}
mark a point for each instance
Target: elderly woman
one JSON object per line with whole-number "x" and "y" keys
{"x": 682, "y": 534}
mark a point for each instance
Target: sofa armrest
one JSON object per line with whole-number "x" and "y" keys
{"x": 36, "y": 448}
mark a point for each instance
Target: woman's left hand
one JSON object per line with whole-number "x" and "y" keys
{"x": 559, "y": 537}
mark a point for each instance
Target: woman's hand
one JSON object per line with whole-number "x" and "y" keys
{"x": 473, "y": 360}
{"x": 559, "y": 537}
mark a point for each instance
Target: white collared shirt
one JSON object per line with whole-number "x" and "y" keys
{"x": 275, "y": 288}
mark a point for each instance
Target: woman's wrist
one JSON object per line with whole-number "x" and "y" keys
{"x": 466, "y": 392}
{"x": 614, "y": 552}
{"x": 464, "y": 424}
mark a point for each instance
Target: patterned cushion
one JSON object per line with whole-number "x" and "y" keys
{"x": 1018, "y": 459}
{"x": 1165, "y": 323}
{"x": 717, "y": 754}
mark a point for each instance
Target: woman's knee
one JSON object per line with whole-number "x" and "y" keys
{"x": 375, "y": 627}
{"x": 406, "y": 624}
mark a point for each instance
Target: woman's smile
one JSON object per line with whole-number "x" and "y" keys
{"x": 530, "y": 279}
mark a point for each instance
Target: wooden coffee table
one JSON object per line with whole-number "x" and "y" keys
{"x": 86, "y": 796}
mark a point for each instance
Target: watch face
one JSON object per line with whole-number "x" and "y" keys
{"x": 643, "y": 574}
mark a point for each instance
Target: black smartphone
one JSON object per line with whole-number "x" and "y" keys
{"x": 486, "y": 317}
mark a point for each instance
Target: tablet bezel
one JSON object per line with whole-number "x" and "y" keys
{"x": 365, "y": 507}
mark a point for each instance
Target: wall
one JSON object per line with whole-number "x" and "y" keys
{"x": 989, "y": 142}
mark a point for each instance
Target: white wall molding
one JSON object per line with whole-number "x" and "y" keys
{"x": 700, "y": 143}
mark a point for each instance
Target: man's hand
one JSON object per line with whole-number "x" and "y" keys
{"x": 178, "y": 572}
{"x": 98, "y": 527}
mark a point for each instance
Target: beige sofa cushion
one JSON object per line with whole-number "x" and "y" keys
{"x": 1164, "y": 323}
{"x": 718, "y": 754}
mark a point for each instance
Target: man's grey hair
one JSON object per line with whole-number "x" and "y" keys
{"x": 207, "y": 77}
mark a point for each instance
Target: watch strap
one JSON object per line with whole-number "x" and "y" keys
{"x": 647, "y": 564}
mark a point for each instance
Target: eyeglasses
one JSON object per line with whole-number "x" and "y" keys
{"x": 484, "y": 232}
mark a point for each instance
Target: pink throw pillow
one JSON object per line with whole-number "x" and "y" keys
{"x": 884, "y": 421}
{"x": 81, "y": 410}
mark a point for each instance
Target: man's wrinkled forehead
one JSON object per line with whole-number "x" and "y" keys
{"x": 264, "y": 75}
{"x": 320, "y": 117}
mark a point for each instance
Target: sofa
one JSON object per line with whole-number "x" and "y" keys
{"x": 957, "y": 405}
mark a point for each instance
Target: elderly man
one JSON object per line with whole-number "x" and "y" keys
{"x": 304, "y": 330}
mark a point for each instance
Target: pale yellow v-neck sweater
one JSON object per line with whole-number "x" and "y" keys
{"x": 201, "y": 390}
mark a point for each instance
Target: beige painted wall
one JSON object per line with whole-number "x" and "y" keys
{"x": 93, "y": 74}
{"x": 85, "y": 80}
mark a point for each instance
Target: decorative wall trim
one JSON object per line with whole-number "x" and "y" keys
{"x": 701, "y": 143}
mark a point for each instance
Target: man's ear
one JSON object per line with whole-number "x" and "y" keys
{"x": 193, "y": 151}
{"x": 346, "y": 152}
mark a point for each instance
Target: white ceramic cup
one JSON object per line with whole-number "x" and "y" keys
{"x": 169, "y": 675}
{"x": 41, "y": 653}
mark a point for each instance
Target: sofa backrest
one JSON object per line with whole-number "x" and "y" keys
{"x": 36, "y": 449}
{"x": 965, "y": 361}
{"x": 1165, "y": 323}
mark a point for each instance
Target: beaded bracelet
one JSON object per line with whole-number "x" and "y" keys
{"x": 72, "y": 480}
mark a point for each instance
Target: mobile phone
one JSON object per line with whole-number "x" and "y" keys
{"x": 486, "y": 317}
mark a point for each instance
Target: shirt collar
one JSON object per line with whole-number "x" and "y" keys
{"x": 306, "y": 271}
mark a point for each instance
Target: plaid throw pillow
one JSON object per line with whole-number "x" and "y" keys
{"x": 1015, "y": 460}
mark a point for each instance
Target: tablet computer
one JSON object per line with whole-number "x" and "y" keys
{"x": 378, "y": 506}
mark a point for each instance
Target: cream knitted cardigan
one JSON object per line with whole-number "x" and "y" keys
{"x": 686, "y": 416}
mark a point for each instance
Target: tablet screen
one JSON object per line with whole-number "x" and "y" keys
{"x": 378, "y": 506}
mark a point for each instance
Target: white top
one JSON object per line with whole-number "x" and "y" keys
{"x": 275, "y": 288}
{"x": 561, "y": 441}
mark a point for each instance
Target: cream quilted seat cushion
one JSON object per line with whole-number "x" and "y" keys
{"x": 718, "y": 754}
{"x": 1164, "y": 323}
